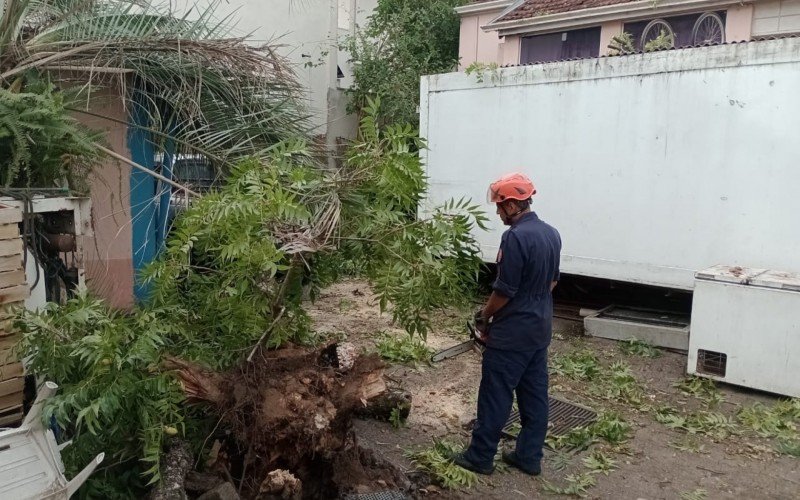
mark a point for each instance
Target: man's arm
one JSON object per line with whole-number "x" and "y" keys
{"x": 496, "y": 302}
{"x": 510, "y": 263}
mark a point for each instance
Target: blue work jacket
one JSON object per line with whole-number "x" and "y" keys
{"x": 527, "y": 263}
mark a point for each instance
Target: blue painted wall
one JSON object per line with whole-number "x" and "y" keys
{"x": 149, "y": 198}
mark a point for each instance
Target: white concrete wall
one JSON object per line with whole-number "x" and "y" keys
{"x": 307, "y": 31}
{"x": 652, "y": 166}
{"x": 302, "y": 27}
{"x": 776, "y": 17}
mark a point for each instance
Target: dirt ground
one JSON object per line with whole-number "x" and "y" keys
{"x": 444, "y": 397}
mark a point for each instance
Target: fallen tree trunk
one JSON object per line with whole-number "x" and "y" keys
{"x": 176, "y": 464}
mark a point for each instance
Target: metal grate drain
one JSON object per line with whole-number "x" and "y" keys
{"x": 562, "y": 418}
{"x": 712, "y": 362}
{"x": 380, "y": 495}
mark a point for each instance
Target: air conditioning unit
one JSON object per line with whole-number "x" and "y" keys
{"x": 745, "y": 328}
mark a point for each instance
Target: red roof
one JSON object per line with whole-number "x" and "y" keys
{"x": 536, "y": 8}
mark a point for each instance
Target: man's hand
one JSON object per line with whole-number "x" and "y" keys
{"x": 481, "y": 325}
{"x": 481, "y": 322}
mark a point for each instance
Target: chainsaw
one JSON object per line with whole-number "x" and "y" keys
{"x": 475, "y": 343}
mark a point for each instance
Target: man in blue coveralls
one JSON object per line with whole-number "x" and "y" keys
{"x": 517, "y": 327}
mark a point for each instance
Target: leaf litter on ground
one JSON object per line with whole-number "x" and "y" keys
{"x": 636, "y": 347}
{"x": 436, "y": 460}
{"x": 402, "y": 348}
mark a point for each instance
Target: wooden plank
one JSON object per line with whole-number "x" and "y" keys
{"x": 7, "y": 356}
{"x": 7, "y": 328}
{"x": 9, "y": 311}
{"x": 6, "y": 344}
{"x": 11, "y": 400}
{"x": 10, "y": 262}
{"x": 11, "y": 409}
{"x": 11, "y": 386}
{"x": 11, "y": 371}
{"x": 10, "y": 247}
{"x": 12, "y": 278}
{"x": 14, "y": 294}
{"x": 10, "y": 216}
{"x": 11, "y": 418}
{"x": 9, "y": 232}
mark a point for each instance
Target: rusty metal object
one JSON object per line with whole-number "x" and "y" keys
{"x": 61, "y": 243}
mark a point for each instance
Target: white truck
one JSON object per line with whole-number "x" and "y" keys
{"x": 652, "y": 166}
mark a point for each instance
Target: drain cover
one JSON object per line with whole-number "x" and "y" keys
{"x": 380, "y": 495}
{"x": 563, "y": 417}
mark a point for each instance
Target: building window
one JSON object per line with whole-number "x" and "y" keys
{"x": 688, "y": 30}
{"x": 559, "y": 46}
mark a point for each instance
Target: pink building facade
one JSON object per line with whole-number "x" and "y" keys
{"x": 509, "y": 32}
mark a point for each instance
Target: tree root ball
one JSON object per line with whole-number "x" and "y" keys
{"x": 289, "y": 412}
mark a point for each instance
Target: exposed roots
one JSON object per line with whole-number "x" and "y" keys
{"x": 290, "y": 410}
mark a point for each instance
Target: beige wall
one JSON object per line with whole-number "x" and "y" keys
{"x": 776, "y": 17}
{"x": 509, "y": 50}
{"x": 108, "y": 259}
{"x": 468, "y": 41}
{"x": 738, "y": 23}
{"x": 608, "y": 31}
{"x": 476, "y": 45}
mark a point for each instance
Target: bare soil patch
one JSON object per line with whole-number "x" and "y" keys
{"x": 444, "y": 399}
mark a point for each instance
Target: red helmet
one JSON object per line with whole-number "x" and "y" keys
{"x": 514, "y": 186}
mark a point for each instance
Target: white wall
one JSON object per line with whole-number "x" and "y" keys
{"x": 306, "y": 31}
{"x": 652, "y": 166}
{"x": 353, "y": 15}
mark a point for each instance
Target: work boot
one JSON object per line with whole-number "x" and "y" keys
{"x": 510, "y": 457}
{"x": 463, "y": 462}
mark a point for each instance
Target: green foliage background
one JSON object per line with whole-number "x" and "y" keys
{"x": 40, "y": 143}
{"x": 232, "y": 270}
{"x": 403, "y": 40}
{"x": 196, "y": 84}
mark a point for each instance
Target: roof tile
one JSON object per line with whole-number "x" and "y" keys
{"x": 536, "y": 8}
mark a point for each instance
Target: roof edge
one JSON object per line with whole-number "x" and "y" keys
{"x": 586, "y": 17}
{"x": 475, "y": 8}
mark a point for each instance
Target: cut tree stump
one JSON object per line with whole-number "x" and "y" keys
{"x": 382, "y": 407}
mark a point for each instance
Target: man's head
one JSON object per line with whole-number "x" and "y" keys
{"x": 512, "y": 194}
{"x": 510, "y": 210}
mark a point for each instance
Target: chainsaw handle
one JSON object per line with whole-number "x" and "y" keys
{"x": 476, "y": 335}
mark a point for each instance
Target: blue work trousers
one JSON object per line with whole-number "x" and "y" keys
{"x": 503, "y": 374}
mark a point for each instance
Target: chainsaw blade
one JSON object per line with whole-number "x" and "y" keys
{"x": 453, "y": 351}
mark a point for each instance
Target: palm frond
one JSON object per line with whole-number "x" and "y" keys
{"x": 197, "y": 85}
